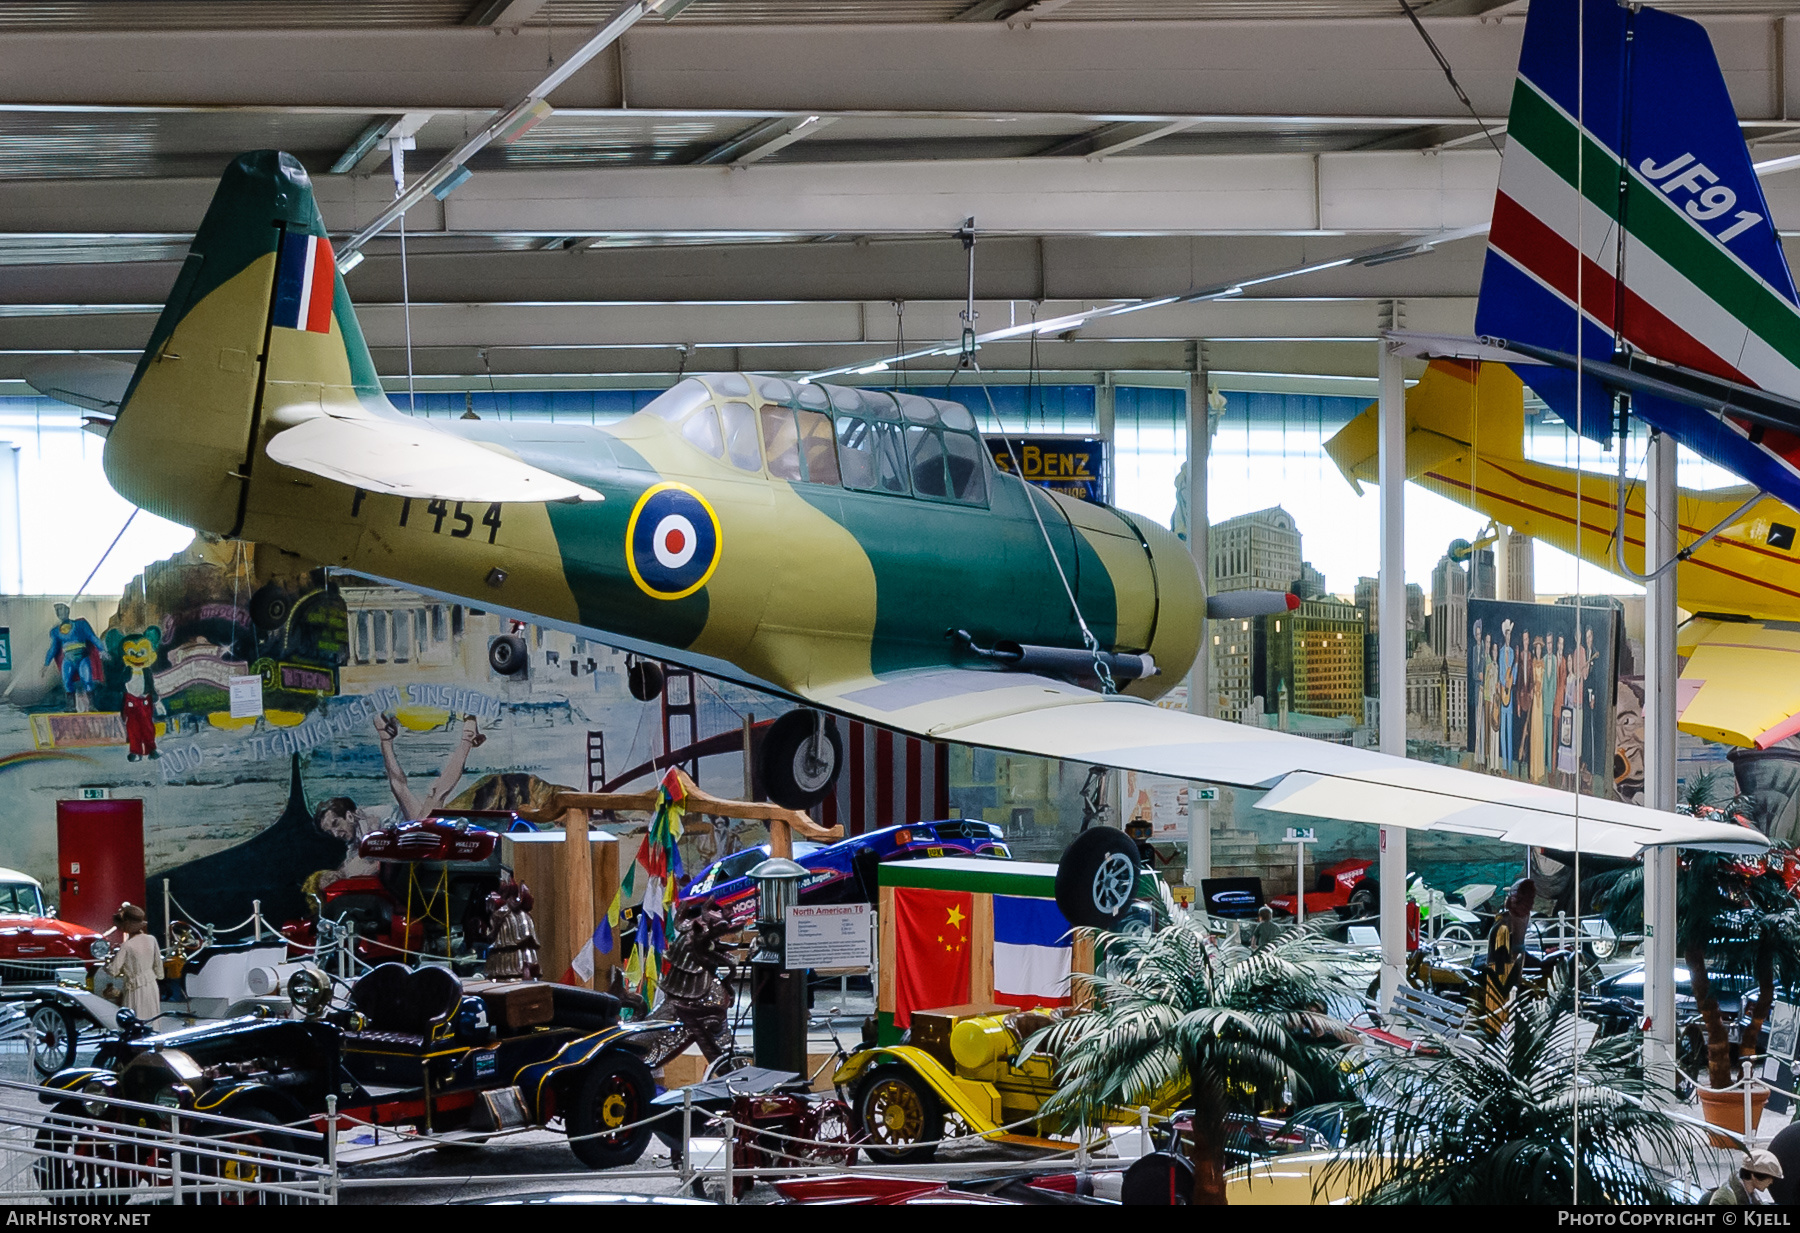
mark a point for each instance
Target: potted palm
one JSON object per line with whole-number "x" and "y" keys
{"x": 1542, "y": 1113}
{"x": 1734, "y": 917}
{"x": 1179, "y": 1008}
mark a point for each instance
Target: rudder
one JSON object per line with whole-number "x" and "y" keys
{"x": 258, "y": 322}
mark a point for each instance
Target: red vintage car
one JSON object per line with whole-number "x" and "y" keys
{"x": 33, "y": 943}
{"x": 1345, "y": 888}
{"x": 426, "y": 898}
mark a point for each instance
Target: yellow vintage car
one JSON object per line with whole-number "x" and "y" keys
{"x": 962, "y": 1062}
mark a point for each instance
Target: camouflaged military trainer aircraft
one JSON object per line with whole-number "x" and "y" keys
{"x": 854, "y": 550}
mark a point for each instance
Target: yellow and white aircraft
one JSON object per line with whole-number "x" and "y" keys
{"x": 1465, "y": 441}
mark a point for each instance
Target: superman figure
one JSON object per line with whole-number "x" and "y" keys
{"x": 75, "y": 648}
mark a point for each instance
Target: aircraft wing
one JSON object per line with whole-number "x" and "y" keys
{"x": 1027, "y": 714}
{"x": 408, "y": 458}
{"x": 1739, "y": 687}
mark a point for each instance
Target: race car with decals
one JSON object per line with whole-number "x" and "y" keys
{"x": 844, "y": 872}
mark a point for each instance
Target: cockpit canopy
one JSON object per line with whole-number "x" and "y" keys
{"x": 867, "y": 440}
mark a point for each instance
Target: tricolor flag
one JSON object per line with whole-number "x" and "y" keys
{"x": 305, "y": 280}
{"x": 1033, "y": 952}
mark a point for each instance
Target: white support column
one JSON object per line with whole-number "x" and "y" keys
{"x": 1660, "y": 521}
{"x": 1200, "y": 690}
{"x": 1391, "y": 647}
{"x": 1104, "y": 429}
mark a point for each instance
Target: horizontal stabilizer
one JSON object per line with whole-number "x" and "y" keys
{"x": 89, "y": 381}
{"x": 409, "y": 459}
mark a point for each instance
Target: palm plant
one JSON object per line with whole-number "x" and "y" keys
{"x": 1520, "y": 1117}
{"x": 1180, "y": 1009}
{"x": 1734, "y": 916}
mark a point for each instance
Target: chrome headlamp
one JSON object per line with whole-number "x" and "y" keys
{"x": 99, "y": 948}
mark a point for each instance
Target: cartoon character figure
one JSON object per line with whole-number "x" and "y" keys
{"x": 138, "y": 653}
{"x": 75, "y": 649}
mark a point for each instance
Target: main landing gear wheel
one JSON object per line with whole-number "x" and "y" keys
{"x": 614, "y": 1093}
{"x": 1158, "y": 1179}
{"x": 901, "y": 1118}
{"x": 507, "y": 655}
{"x": 1096, "y": 879}
{"x": 800, "y": 761}
{"x": 52, "y": 1039}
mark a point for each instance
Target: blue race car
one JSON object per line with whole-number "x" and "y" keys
{"x": 844, "y": 872}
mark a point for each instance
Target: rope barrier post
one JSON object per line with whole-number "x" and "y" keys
{"x": 331, "y": 1136}
{"x": 175, "y": 1152}
{"x": 168, "y": 910}
{"x": 1749, "y": 1135}
{"x": 256, "y": 920}
{"x": 1143, "y": 1130}
{"x": 1081, "y": 1151}
{"x": 730, "y": 1160}
{"x": 687, "y": 1136}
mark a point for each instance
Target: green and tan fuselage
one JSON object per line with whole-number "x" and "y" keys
{"x": 796, "y": 585}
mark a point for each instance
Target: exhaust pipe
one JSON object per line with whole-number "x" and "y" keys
{"x": 1067, "y": 663}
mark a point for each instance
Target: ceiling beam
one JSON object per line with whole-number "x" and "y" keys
{"x": 763, "y": 139}
{"x": 1385, "y": 192}
{"x": 502, "y": 12}
{"x": 1119, "y": 70}
{"x": 1024, "y": 269}
{"x": 1116, "y": 138}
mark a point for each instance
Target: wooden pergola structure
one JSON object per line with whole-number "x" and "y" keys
{"x": 575, "y": 810}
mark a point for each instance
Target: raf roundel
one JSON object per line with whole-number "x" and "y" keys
{"x": 672, "y": 541}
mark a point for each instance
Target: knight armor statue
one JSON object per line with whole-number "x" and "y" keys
{"x": 513, "y": 954}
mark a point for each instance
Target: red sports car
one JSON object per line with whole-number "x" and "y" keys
{"x": 1345, "y": 888}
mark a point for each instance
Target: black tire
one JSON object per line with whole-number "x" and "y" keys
{"x": 790, "y": 776}
{"x": 898, "y": 1110}
{"x": 615, "y": 1091}
{"x": 68, "y": 1164}
{"x": 53, "y": 1038}
{"x": 1365, "y": 900}
{"x": 1158, "y": 1179}
{"x": 221, "y": 1174}
{"x": 270, "y": 606}
{"x": 507, "y": 655}
{"x": 1096, "y": 879}
{"x": 644, "y": 678}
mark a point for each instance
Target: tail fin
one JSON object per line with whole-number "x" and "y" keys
{"x": 1627, "y": 188}
{"x": 257, "y": 362}
{"x": 1458, "y": 407}
{"x": 258, "y": 318}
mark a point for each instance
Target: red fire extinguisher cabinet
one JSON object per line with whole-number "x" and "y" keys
{"x": 99, "y": 859}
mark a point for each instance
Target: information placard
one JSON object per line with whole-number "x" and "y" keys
{"x": 246, "y": 697}
{"x": 828, "y": 936}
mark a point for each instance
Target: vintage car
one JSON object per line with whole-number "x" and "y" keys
{"x": 407, "y": 1046}
{"x": 33, "y": 943}
{"x": 962, "y": 1065}
{"x": 844, "y": 872}
{"x": 1345, "y": 888}
{"x": 427, "y": 895}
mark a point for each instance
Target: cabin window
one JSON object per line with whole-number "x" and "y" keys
{"x": 774, "y": 389}
{"x": 917, "y": 410}
{"x": 813, "y": 396}
{"x": 781, "y": 443}
{"x": 674, "y": 403}
{"x": 702, "y": 432}
{"x": 968, "y": 472}
{"x": 890, "y": 459}
{"x": 926, "y": 450}
{"x": 856, "y": 452}
{"x": 740, "y": 435}
{"x": 817, "y": 447}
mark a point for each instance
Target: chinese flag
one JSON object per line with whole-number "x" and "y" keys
{"x": 931, "y": 950}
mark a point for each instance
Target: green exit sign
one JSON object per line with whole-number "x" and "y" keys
{"x": 5, "y": 649}
{"x": 1206, "y": 794}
